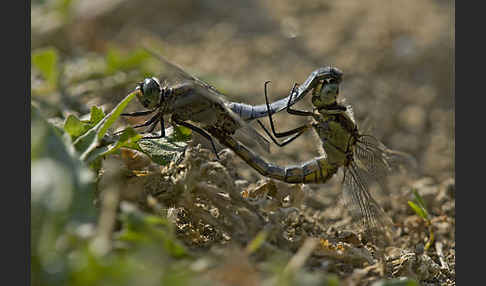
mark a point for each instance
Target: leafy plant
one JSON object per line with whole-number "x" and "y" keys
{"x": 47, "y": 62}
{"x": 61, "y": 199}
{"x": 145, "y": 229}
{"x": 76, "y": 127}
{"x": 420, "y": 209}
{"x": 64, "y": 218}
{"x": 91, "y": 142}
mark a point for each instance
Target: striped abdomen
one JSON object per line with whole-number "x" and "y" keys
{"x": 317, "y": 170}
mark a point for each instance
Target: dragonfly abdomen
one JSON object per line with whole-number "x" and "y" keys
{"x": 317, "y": 170}
{"x": 250, "y": 112}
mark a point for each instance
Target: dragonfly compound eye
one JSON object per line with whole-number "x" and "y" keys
{"x": 150, "y": 92}
{"x": 336, "y": 74}
{"x": 150, "y": 85}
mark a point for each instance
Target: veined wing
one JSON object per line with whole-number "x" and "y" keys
{"x": 245, "y": 132}
{"x": 379, "y": 161}
{"x": 372, "y": 163}
{"x": 359, "y": 201}
{"x": 175, "y": 74}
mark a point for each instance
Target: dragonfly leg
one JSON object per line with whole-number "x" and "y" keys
{"x": 299, "y": 132}
{"x": 280, "y": 134}
{"x": 162, "y": 129}
{"x": 146, "y": 123}
{"x": 151, "y": 128}
{"x": 200, "y": 131}
{"x": 294, "y": 111}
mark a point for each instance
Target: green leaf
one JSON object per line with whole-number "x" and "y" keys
{"x": 46, "y": 61}
{"x": 182, "y": 133}
{"x": 419, "y": 199}
{"x": 89, "y": 141}
{"x": 75, "y": 127}
{"x": 164, "y": 150}
{"x": 141, "y": 228}
{"x": 418, "y": 210}
{"x": 96, "y": 115}
{"x": 114, "y": 114}
{"x": 257, "y": 242}
{"x": 128, "y": 139}
{"x": 116, "y": 61}
{"x": 420, "y": 203}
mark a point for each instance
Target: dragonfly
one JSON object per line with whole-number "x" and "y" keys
{"x": 190, "y": 101}
{"x": 250, "y": 112}
{"x": 362, "y": 157}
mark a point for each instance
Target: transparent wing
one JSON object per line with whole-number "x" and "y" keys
{"x": 174, "y": 74}
{"x": 359, "y": 201}
{"x": 378, "y": 161}
{"x": 247, "y": 135}
{"x": 367, "y": 125}
{"x": 245, "y": 132}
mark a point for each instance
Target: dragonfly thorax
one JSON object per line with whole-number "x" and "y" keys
{"x": 337, "y": 132}
{"x": 150, "y": 92}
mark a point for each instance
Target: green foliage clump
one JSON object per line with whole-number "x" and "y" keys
{"x": 64, "y": 218}
{"x": 65, "y": 159}
{"x": 47, "y": 62}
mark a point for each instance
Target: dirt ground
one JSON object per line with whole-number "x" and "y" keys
{"x": 397, "y": 59}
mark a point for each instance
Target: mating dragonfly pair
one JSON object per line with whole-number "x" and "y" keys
{"x": 194, "y": 104}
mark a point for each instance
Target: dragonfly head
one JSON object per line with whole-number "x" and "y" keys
{"x": 149, "y": 92}
{"x": 326, "y": 92}
{"x": 336, "y": 74}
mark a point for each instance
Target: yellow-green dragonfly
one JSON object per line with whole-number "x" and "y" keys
{"x": 363, "y": 158}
